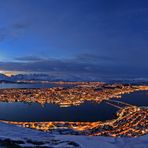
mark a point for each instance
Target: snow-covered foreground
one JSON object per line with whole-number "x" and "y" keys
{"x": 11, "y": 135}
{"x": 106, "y": 142}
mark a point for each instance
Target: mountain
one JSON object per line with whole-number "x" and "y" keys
{"x": 70, "y": 77}
{"x": 14, "y": 136}
{"x": 46, "y": 77}
{"x": 3, "y": 77}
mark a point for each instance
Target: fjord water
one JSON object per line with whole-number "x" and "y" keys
{"x": 138, "y": 98}
{"x": 30, "y": 85}
{"x": 88, "y": 111}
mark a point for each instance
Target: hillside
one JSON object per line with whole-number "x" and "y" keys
{"x": 14, "y": 136}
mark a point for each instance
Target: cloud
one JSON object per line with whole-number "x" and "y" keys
{"x": 38, "y": 64}
{"x": 29, "y": 59}
{"x": 74, "y": 66}
{"x": 96, "y": 58}
{"x": 13, "y": 31}
{"x": 3, "y": 34}
{"x": 21, "y": 25}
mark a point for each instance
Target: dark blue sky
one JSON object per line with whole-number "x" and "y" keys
{"x": 92, "y": 37}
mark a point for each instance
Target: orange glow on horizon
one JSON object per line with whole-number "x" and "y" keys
{"x": 7, "y": 73}
{"x": 10, "y": 73}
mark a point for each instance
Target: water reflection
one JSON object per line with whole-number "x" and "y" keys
{"x": 87, "y": 111}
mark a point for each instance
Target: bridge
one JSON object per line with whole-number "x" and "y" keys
{"x": 117, "y": 104}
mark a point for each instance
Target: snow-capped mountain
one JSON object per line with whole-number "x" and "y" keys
{"x": 46, "y": 77}
{"x": 3, "y": 77}
{"x": 69, "y": 77}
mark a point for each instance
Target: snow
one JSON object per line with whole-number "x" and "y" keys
{"x": 28, "y": 137}
{"x": 108, "y": 142}
{"x": 32, "y": 138}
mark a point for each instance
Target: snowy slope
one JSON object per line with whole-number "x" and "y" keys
{"x": 106, "y": 142}
{"x": 11, "y": 135}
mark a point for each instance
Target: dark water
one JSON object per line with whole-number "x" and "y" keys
{"x": 88, "y": 111}
{"x": 139, "y": 98}
{"x": 31, "y": 85}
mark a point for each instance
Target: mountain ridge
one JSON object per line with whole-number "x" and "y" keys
{"x": 56, "y": 77}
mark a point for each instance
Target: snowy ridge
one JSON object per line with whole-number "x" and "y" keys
{"x": 69, "y": 77}
{"x": 11, "y": 135}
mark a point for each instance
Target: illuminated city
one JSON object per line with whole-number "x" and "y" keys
{"x": 131, "y": 121}
{"x": 73, "y": 74}
{"x": 69, "y": 96}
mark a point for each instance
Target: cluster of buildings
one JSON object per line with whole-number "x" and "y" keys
{"x": 69, "y": 96}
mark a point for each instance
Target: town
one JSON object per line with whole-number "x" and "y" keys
{"x": 69, "y": 96}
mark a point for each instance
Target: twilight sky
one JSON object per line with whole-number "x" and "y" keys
{"x": 74, "y": 37}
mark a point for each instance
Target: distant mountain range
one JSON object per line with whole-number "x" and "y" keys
{"x": 63, "y": 77}
{"x": 43, "y": 77}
